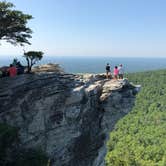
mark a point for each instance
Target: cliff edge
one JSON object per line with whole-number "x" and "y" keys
{"x": 68, "y": 116}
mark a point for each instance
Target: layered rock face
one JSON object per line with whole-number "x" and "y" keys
{"x": 68, "y": 116}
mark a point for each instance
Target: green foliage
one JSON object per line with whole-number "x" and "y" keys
{"x": 11, "y": 154}
{"x": 8, "y": 137}
{"x": 32, "y": 57}
{"x": 31, "y": 157}
{"x": 139, "y": 139}
{"x": 13, "y": 27}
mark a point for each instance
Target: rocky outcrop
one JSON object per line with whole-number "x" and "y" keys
{"x": 68, "y": 116}
{"x": 49, "y": 68}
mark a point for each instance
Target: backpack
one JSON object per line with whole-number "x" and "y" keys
{"x": 107, "y": 67}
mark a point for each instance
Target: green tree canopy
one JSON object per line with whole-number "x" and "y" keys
{"x": 139, "y": 139}
{"x": 13, "y": 24}
{"x": 32, "y": 57}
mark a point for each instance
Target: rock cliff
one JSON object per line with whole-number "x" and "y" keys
{"x": 68, "y": 116}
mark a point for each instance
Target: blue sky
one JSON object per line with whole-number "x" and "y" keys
{"x": 132, "y": 28}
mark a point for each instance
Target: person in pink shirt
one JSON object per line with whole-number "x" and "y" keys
{"x": 116, "y": 72}
{"x": 12, "y": 71}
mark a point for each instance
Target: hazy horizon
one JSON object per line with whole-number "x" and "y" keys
{"x": 85, "y": 56}
{"x": 92, "y": 64}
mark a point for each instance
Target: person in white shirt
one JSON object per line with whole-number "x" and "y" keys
{"x": 121, "y": 71}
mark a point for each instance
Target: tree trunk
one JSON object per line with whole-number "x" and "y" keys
{"x": 28, "y": 66}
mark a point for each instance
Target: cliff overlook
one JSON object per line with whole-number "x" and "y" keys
{"x": 68, "y": 116}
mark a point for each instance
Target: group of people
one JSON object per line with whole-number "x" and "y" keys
{"x": 14, "y": 69}
{"x": 118, "y": 71}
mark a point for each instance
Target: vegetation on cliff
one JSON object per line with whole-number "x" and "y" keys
{"x": 32, "y": 57}
{"x": 12, "y": 154}
{"x": 140, "y": 137}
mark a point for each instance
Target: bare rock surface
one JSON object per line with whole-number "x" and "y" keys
{"x": 49, "y": 68}
{"x": 68, "y": 116}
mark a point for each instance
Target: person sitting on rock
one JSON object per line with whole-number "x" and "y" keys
{"x": 12, "y": 71}
{"x": 108, "y": 71}
{"x": 116, "y": 72}
{"x": 4, "y": 71}
{"x": 121, "y": 71}
{"x": 20, "y": 68}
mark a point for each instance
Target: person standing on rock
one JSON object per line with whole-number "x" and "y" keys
{"x": 121, "y": 71}
{"x": 108, "y": 71}
{"x": 116, "y": 72}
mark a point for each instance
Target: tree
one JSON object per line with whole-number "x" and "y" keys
{"x": 32, "y": 57}
{"x": 13, "y": 28}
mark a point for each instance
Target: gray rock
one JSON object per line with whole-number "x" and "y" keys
{"x": 68, "y": 116}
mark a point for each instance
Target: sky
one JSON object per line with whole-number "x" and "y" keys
{"x": 116, "y": 28}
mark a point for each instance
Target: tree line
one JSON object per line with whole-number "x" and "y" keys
{"x": 139, "y": 139}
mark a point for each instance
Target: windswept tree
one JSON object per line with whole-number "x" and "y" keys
{"x": 13, "y": 24}
{"x": 32, "y": 57}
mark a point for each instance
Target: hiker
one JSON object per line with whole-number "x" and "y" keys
{"x": 12, "y": 71}
{"x": 108, "y": 71}
{"x": 121, "y": 71}
{"x": 4, "y": 71}
{"x": 116, "y": 72}
{"x": 20, "y": 68}
{"x": 15, "y": 61}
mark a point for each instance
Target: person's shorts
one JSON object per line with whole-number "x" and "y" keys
{"x": 120, "y": 75}
{"x": 116, "y": 75}
{"x": 108, "y": 71}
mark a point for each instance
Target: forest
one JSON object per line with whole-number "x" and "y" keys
{"x": 139, "y": 139}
